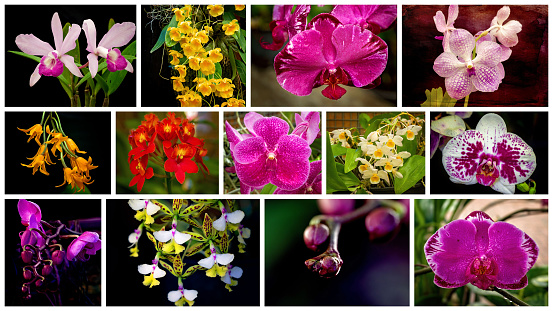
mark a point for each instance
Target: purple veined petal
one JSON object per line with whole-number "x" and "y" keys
{"x": 482, "y": 223}
{"x": 57, "y": 31}
{"x": 292, "y": 165}
{"x": 499, "y": 186}
{"x": 439, "y": 20}
{"x": 381, "y": 15}
{"x": 27, "y": 209}
{"x": 493, "y": 127}
{"x": 507, "y": 34}
{"x": 69, "y": 62}
{"x": 119, "y": 35}
{"x": 35, "y": 75}
{"x": 249, "y": 120}
{"x": 301, "y": 61}
{"x": 254, "y": 174}
{"x": 298, "y": 20}
{"x": 90, "y": 32}
{"x": 32, "y": 45}
{"x": 362, "y": 54}
{"x": 517, "y": 160}
{"x": 513, "y": 251}
{"x": 92, "y": 64}
{"x": 325, "y": 24}
{"x": 461, "y": 155}
{"x": 451, "y": 250}
{"x": 447, "y": 65}
{"x": 459, "y": 85}
{"x": 461, "y": 43}
{"x": 488, "y": 54}
{"x": 271, "y": 130}
{"x": 69, "y": 42}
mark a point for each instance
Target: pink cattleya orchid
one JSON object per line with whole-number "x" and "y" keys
{"x": 119, "y": 35}
{"x": 489, "y": 156}
{"x": 446, "y": 28}
{"x": 372, "y": 17}
{"x": 506, "y": 34}
{"x": 53, "y": 60}
{"x": 482, "y": 252}
{"x": 330, "y": 53}
{"x": 286, "y": 25}
{"x": 86, "y": 244}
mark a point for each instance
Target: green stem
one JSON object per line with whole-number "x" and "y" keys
{"x": 509, "y": 296}
{"x": 422, "y": 271}
{"x": 526, "y": 210}
{"x": 168, "y": 184}
{"x": 467, "y": 101}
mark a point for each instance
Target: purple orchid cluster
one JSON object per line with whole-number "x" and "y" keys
{"x": 340, "y": 47}
{"x": 42, "y": 252}
{"x": 474, "y": 63}
{"x": 268, "y": 153}
{"x": 54, "y": 60}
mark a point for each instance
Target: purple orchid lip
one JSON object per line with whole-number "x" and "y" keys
{"x": 482, "y": 252}
{"x": 490, "y": 156}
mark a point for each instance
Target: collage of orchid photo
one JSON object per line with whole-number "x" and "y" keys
{"x": 274, "y": 155}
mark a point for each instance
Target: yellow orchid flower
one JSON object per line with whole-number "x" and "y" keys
{"x": 231, "y": 27}
{"x": 239, "y": 7}
{"x": 216, "y": 10}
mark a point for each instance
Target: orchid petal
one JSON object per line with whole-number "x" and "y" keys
{"x": 452, "y": 13}
{"x": 32, "y": 45}
{"x": 381, "y": 15}
{"x": 181, "y": 237}
{"x": 292, "y": 163}
{"x": 254, "y": 174}
{"x": 486, "y": 79}
{"x": 190, "y": 295}
{"x": 233, "y": 136}
{"x": 145, "y": 269}
{"x": 439, "y": 20}
{"x": 119, "y": 35}
{"x": 220, "y": 224}
{"x": 493, "y": 127}
{"x": 459, "y": 85}
{"x": 207, "y": 262}
{"x": 503, "y": 14}
{"x": 224, "y": 259}
{"x": 236, "y": 272}
{"x": 57, "y": 31}
{"x": 90, "y": 32}
{"x": 461, "y": 43}
{"x": 270, "y": 130}
{"x": 249, "y": 150}
{"x": 249, "y": 120}
{"x": 517, "y": 159}
{"x": 163, "y": 236}
{"x": 325, "y": 24}
{"x": 298, "y": 20}
{"x": 27, "y": 209}
{"x": 502, "y": 188}
{"x": 507, "y": 34}
{"x": 159, "y": 273}
{"x": 174, "y": 295}
{"x": 69, "y": 63}
{"x": 235, "y": 217}
{"x": 482, "y": 223}
{"x": 92, "y": 64}
{"x": 461, "y": 155}
{"x": 447, "y": 65}
{"x": 69, "y": 42}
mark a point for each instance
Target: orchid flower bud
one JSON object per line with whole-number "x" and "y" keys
{"x": 315, "y": 235}
{"x": 27, "y": 256}
{"x": 382, "y": 224}
{"x": 27, "y": 274}
{"x": 335, "y": 207}
{"x": 46, "y": 270}
{"x": 38, "y": 283}
{"x": 58, "y": 256}
{"x": 326, "y": 265}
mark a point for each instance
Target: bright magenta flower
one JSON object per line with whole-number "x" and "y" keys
{"x": 85, "y": 245}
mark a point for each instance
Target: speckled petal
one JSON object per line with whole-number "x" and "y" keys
{"x": 314, "y": 170}
{"x": 249, "y": 120}
{"x": 381, "y": 15}
{"x": 271, "y": 129}
{"x": 254, "y": 174}
{"x": 513, "y": 251}
{"x": 488, "y": 54}
{"x": 233, "y": 136}
{"x": 517, "y": 159}
{"x": 493, "y": 128}
{"x": 450, "y": 251}
{"x": 485, "y": 79}
{"x": 292, "y": 165}
{"x": 439, "y": 20}
{"x": 458, "y": 86}
{"x": 447, "y": 65}
{"x": 461, "y": 43}
{"x": 249, "y": 150}
{"x": 461, "y": 155}
{"x": 362, "y": 54}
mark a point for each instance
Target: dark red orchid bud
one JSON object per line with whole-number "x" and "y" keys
{"x": 382, "y": 224}
{"x": 315, "y": 235}
{"x": 46, "y": 270}
{"x": 335, "y": 207}
{"x": 57, "y": 257}
{"x": 38, "y": 283}
{"x": 27, "y": 256}
{"x": 27, "y": 274}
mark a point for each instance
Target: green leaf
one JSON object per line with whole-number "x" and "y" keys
{"x": 409, "y": 145}
{"x": 351, "y": 163}
{"x": 413, "y": 170}
{"x": 35, "y": 58}
{"x": 333, "y": 181}
{"x": 437, "y": 98}
{"x": 172, "y": 23}
{"x": 160, "y": 40}
{"x": 338, "y": 150}
{"x": 193, "y": 249}
{"x": 116, "y": 78}
{"x": 227, "y": 17}
{"x": 232, "y": 64}
{"x": 364, "y": 120}
{"x": 218, "y": 71}
{"x": 241, "y": 71}
{"x": 241, "y": 39}
{"x": 88, "y": 76}
{"x": 268, "y": 189}
{"x": 101, "y": 83}
{"x": 111, "y": 23}
{"x": 349, "y": 179}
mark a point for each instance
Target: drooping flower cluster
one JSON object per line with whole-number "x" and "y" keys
{"x": 474, "y": 63}
{"x": 198, "y": 39}
{"x": 489, "y": 156}
{"x": 192, "y": 230}
{"x": 54, "y": 59}
{"x": 482, "y": 252}
{"x": 43, "y": 251}
{"x": 169, "y": 143}
{"x": 265, "y": 152}
{"x": 77, "y": 174}
{"x": 379, "y": 151}
{"x": 337, "y": 48}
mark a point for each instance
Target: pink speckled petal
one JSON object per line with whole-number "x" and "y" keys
{"x": 447, "y": 65}
{"x": 300, "y": 62}
{"x": 459, "y": 85}
{"x": 503, "y": 14}
{"x": 233, "y": 136}
{"x": 298, "y": 20}
{"x": 486, "y": 79}
{"x": 517, "y": 159}
{"x": 451, "y": 250}
{"x": 493, "y": 128}
{"x": 292, "y": 165}
{"x": 452, "y": 13}
{"x": 461, "y": 155}
{"x": 314, "y": 171}
{"x": 461, "y": 43}
{"x": 249, "y": 120}
{"x": 300, "y": 190}
{"x": 482, "y": 223}
{"x": 281, "y": 12}
{"x": 439, "y": 20}
{"x": 271, "y": 130}
{"x": 381, "y": 15}
{"x": 362, "y": 54}
{"x": 441, "y": 283}
{"x": 513, "y": 251}
{"x": 249, "y": 150}
{"x": 488, "y": 54}
{"x": 254, "y": 174}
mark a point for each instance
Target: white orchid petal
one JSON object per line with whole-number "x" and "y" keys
{"x": 224, "y": 259}
{"x": 174, "y": 295}
{"x": 145, "y": 269}
{"x": 207, "y": 262}
{"x": 163, "y": 236}
{"x": 220, "y": 224}
{"x": 181, "y": 237}
{"x": 235, "y": 217}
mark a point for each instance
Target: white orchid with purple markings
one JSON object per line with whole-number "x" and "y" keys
{"x": 489, "y": 156}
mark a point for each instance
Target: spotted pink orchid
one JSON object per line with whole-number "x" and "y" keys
{"x": 286, "y": 25}
{"x": 372, "y": 17}
{"x": 119, "y": 35}
{"x": 489, "y": 156}
{"x": 307, "y": 125}
{"x": 53, "y": 59}
{"x": 482, "y": 252}
{"x": 462, "y": 73}
{"x": 313, "y": 184}
{"x": 331, "y": 53}
{"x": 446, "y": 27}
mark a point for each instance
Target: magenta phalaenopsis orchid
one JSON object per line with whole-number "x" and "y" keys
{"x": 331, "y": 53}
{"x": 53, "y": 60}
{"x": 286, "y": 24}
{"x": 372, "y": 17}
{"x": 119, "y": 35}
{"x": 30, "y": 217}
{"x": 482, "y": 252}
{"x": 307, "y": 125}
{"x": 490, "y": 156}
{"x": 463, "y": 73}
{"x": 85, "y": 245}
{"x": 313, "y": 184}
